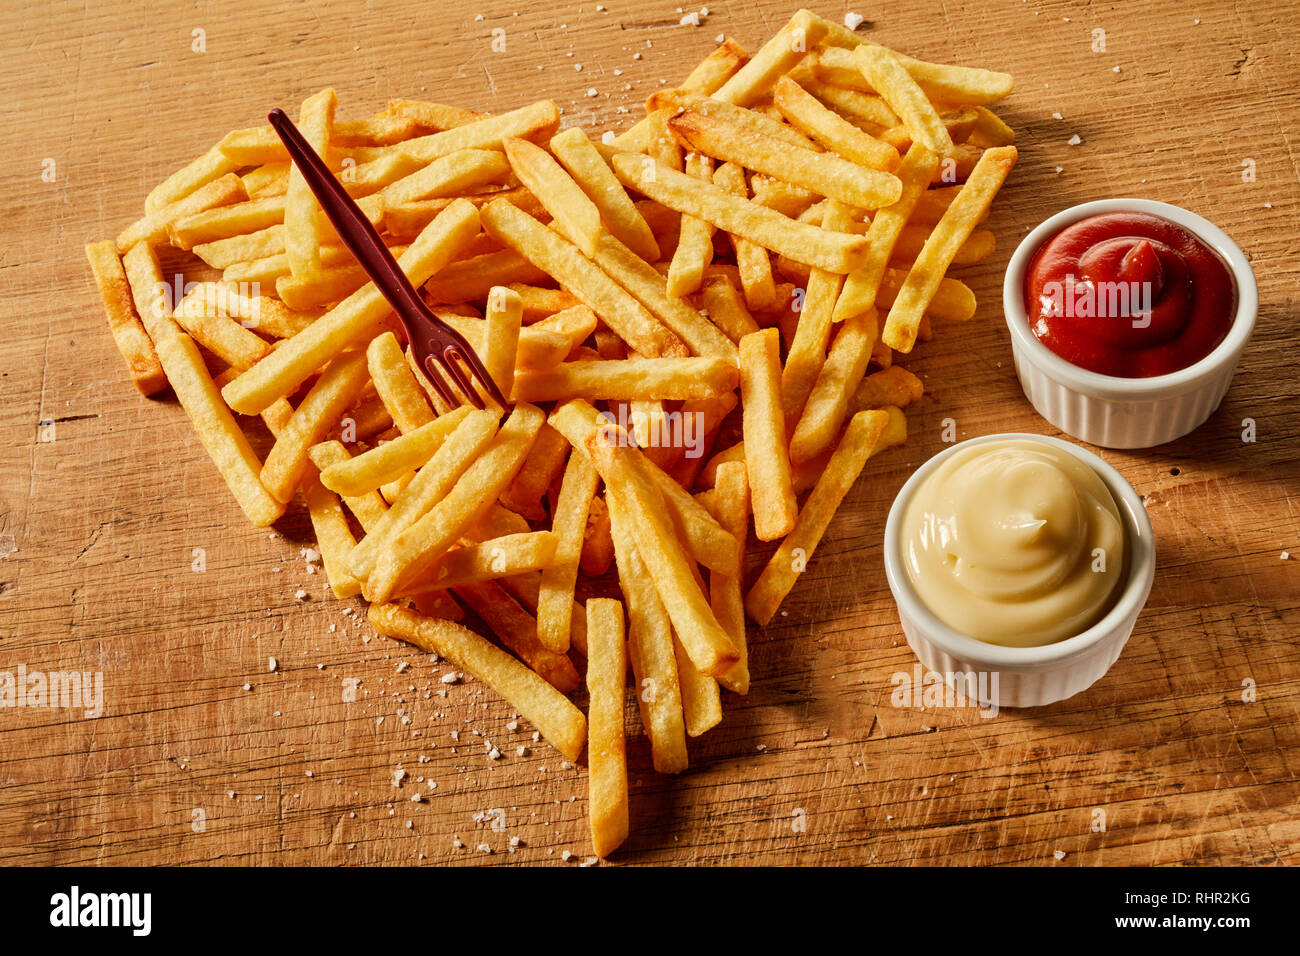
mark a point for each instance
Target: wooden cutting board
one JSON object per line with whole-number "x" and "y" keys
{"x": 204, "y": 755}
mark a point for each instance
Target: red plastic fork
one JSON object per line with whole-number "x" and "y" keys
{"x": 437, "y": 346}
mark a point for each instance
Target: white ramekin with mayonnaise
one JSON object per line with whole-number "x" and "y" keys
{"x": 1000, "y": 552}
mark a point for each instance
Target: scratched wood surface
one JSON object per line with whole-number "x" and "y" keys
{"x": 204, "y": 756}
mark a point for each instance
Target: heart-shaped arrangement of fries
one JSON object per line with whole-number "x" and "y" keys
{"x": 695, "y": 322}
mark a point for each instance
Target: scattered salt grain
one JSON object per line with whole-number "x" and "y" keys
{"x": 852, "y": 20}
{"x": 1075, "y": 140}
{"x": 272, "y": 663}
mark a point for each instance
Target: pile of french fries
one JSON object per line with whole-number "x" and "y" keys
{"x": 725, "y": 262}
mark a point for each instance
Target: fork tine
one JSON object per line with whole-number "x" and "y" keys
{"x": 466, "y": 353}
{"x": 435, "y": 379}
{"x": 450, "y": 354}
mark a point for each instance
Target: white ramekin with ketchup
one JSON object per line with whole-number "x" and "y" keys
{"x": 1127, "y": 319}
{"x": 1019, "y": 564}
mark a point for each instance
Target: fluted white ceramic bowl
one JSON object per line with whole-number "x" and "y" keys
{"x": 1108, "y": 410}
{"x": 1027, "y": 676}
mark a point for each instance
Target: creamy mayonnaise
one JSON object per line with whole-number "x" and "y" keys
{"x": 1014, "y": 542}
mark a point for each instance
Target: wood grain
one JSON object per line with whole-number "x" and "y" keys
{"x": 107, "y": 504}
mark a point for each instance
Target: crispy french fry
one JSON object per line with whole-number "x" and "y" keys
{"x": 672, "y": 102}
{"x": 923, "y": 278}
{"x": 892, "y": 81}
{"x": 488, "y": 560}
{"x": 540, "y": 470}
{"x": 722, "y": 304}
{"x": 613, "y": 304}
{"x": 214, "y": 164}
{"x": 223, "y": 222}
{"x": 834, "y": 252}
{"x": 152, "y": 229}
{"x": 469, "y": 279}
{"x": 823, "y": 173}
{"x": 183, "y": 365}
{"x": 766, "y": 450}
{"x": 392, "y": 459}
{"x": 701, "y": 700}
{"x": 555, "y": 597}
{"x": 396, "y": 384}
{"x": 957, "y": 84}
{"x": 709, "y": 74}
{"x": 434, "y": 116}
{"x": 990, "y": 129}
{"x": 978, "y": 246}
{"x": 891, "y": 386}
{"x": 448, "y": 175}
{"x": 505, "y": 313}
{"x": 516, "y": 629}
{"x": 128, "y": 331}
{"x": 536, "y": 121}
{"x": 731, "y": 508}
{"x": 334, "y": 392}
{"x": 782, "y": 570}
{"x": 574, "y": 213}
{"x": 606, "y": 670}
{"x": 302, "y": 239}
{"x": 425, "y": 541}
{"x": 332, "y": 533}
{"x": 590, "y": 171}
{"x": 650, "y": 647}
{"x": 837, "y": 380}
{"x": 808, "y": 350}
{"x": 694, "y": 239}
{"x": 709, "y": 646}
{"x": 453, "y": 455}
{"x": 368, "y": 507}
{"x": 554, "y": 716}
{"x": 222, "y": 336}
{"x": 355, "y": 320}
{"x": 752, "y": 260}
{"x": 862, "y": 285}
{"x": 644, "y": 379}
{"x": 830, "y": 129}
{"x": 651, "y": 290}
{"x": 597, "y": 542}
{"x": 775, "y": 58}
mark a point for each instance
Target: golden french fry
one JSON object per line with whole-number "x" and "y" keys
{"x": 128, "y": 331}
{"x": 392, "y": 459}
{"x": 766, "y": 450}
{"x": 957, "y": 84}
{"x": 722, "y": 304}
{"x": 808, "y": 350}
{"x": 674, "y": 101}
{"x": 709, "y": 74}
{"x": 573, "y": 211}
{"x": 862, "y": 285}
{"x": 709, "y": 646}
{"x": 837, "y": 380}
{"x": 213, "y": 164}
{"x": 183, "y": 365}
{"x": 469, "y": 279}
{"x": 405, "y": 220}
{"x": 891, "y": 80}
{"x": 540, "y": 470}
{"x": 834, "y": 252}
{"x": 535, "y": 121}
{"x": 448, "y": 175}
{"x": 554, "y": 716}
{"x": 701, "y": 700}
{"x": 644, "y": 379}
{"x": 301, "y": 237}
{"x": 694, "y": 240}
{"x": 775, "y": 58}
{"x": 368, "y": 507}
{"x": 333, "y": 536}
{"x": 651, "y": 290}
{"x": 613, "y": 304}
{"x": 221, "y": 335}
{"x": 782, "y": 570}
{"x": 606, "y": 670}
{"x": 152, "y": 229}
{"x": 453, "y": 455}
{"x": 425, "y": 541}
{"x": 731, "y": 508}
{"x": 590, "y": 171}
{"x": 555, "y": 597}
{"x": 223, "y": 222}
{"x": 990, "y": 129}
{"x": 891, "y": 386}
{"x": 752, "y": 260}
{"x": 488, "y": 560}
{"x": 396, "y": 384}
{"x": 355, "y": 320}
{"x": 977, "y": 246}
{"x": 505, "y": 313}
{"x": 923, "y": 278}
{"x": 823, "y": 173}
{"x": 516, "y": 629}
{"x": 434, "y": 116}
{"x": 830, "y": 129}
{"x": 334, "y": 392}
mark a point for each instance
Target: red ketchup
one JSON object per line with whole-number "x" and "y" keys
{"x": 1129, "y": 294}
